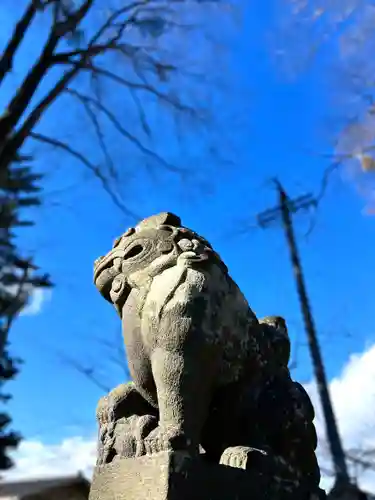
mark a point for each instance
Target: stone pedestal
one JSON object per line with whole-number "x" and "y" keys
{"x": 176, "y": 476}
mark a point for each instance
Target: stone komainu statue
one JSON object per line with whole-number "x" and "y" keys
{"x": 207, "y": 375}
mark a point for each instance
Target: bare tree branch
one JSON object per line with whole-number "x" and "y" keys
{"x": 157, "y": 66}
{"x": 93, "y": 47}
{"x": 72, "y": 20}
{"x": 147, "y": 62}
{"x": 112, "y": 18}
{"x": 358, "y": 460}
{"x": 142, "y": 114}
{"x": 344, "y": 33}
{"x": 100, "y": 136}
{"x": 87, "y": 372}
{"x": 15, "y": 143}
{"x": 86, "y": 100}
{"x": 7, "y": 58}
{"x": 94, "y": 169}
{"x": 23, "y": 96}
{"x": 168, "y": 99}
{"x": 26, "y": 91}
{"x": 117, "y": 356}
{"x": 145, "y": 86}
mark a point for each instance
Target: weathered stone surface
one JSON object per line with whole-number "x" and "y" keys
{"x": 205, "y": 371}
{"x": 187, "y": 327}
{"x": 177, "y": 476}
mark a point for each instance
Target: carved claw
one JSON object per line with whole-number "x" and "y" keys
{"x": 130, "y": 434}
{"x": 109, "y": 403}
{"x": 241, "y": 457}
{"x": 125, "y": 419}
{"x": 145, "y": 426}
{"x": 166, "y": 439}
{"x": 274, "y": 466}
{"x": 123, "y": 401}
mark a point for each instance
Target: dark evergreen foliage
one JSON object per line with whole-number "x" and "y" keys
{"x": 18, "y": 190}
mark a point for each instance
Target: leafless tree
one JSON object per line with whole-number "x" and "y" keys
{"x": 337, "y": 37}
{"x": 130, "y": 69}
{"x": 96, "y": 54}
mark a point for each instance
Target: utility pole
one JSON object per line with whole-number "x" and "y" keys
{"x": 285, "y": 209}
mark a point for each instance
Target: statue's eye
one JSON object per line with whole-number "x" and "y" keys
{"x": 133, "y": 252}
{"x": 128, "y": 232}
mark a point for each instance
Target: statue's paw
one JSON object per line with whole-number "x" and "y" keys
{"x": 241, "y": 457}
{"x": 125, "y": 438}
{"x": 166, "y": 439}
{"x": 116, "y": 396}
{"x": 130, "y": 434}
{"x": 145, "y": 426}
{"x": 123, "y": 401}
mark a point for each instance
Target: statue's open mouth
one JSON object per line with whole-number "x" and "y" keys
{"x": 109, "y": 261}
{"x": 106, "y": 269}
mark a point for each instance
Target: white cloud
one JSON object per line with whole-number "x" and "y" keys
{"x": 34, "y": 298}
{"x": 37, "y": 300}
{"x": 353, "y": 395}
{"x": 35, "y": 459}
{"x": 353, "y": 398}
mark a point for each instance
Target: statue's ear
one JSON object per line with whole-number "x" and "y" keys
{"x": 154, "y": 221}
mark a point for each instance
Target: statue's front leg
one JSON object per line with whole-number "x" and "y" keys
{"x": 184, "y": 379}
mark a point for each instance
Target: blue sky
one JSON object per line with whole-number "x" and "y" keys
{"x": 274, "y": 128}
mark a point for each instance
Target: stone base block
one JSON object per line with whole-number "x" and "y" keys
{"x": 176, "y": 476}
